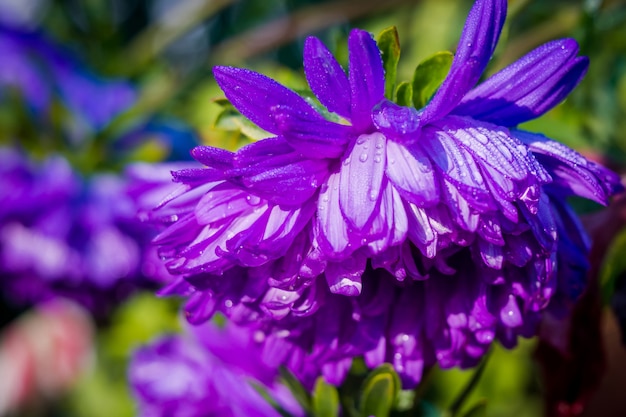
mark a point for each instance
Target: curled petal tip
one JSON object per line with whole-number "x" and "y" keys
{"x": 394, "y": 119}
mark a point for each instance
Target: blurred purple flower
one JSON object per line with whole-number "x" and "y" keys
{"x": 445, "y": 226}
{"x": 39, "y": 70}
{"x": 207, "y": 373}
{"x": 62, "y": 235}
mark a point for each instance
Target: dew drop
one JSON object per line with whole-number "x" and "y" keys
{"x": 259, "y": 336}
{"x": 377, "y": 159}
{"x": 363, "y": 157}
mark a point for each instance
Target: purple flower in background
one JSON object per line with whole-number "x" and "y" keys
{"x": 64, "y": 235}
{"x": 207, "y": 373}
{"x": 38, "y": 69}
{"x": 409, "y": 236}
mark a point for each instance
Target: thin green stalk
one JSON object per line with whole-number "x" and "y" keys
{"x": 457, "y": 404}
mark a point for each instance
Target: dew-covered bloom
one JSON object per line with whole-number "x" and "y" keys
{"x": 61, "y": 234}
{"x": 208, "y": 372}
{"x": 40, "y": 70}
{"x": 414, "y": 236}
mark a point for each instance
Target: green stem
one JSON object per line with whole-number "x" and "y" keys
{"x": 472, "y": 383}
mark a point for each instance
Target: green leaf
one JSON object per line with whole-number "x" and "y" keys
{"x": 479, "y": 410}
{"x": 428, "y": 76}
{"x": 404, "y": 94}
{"x": 389, "y": 46}
{"x": 613, "y": 267}
{"x": 379, "y": 392}
{"x": 325, "y": 399}
{"x": 297, "y": 390}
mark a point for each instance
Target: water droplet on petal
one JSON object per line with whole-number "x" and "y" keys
{"x": 363, "y": 157}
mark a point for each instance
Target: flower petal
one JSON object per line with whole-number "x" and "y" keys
{"x": 327, "y": 79}
{"x": 367, "y": 77}
{"x": 331, "y": 228}
{"x": 478, "y": 41}
{"x": 361, "y": 177}
{"x": 390, "y": 221}
{"x": 420, "y": 232}
{"x": 411, "y": 173}
{"x": 223, "y": 202}
{"x": 344, "y": 277}
{"x": 258, "y": 97}
{"x": 529, "y": 87}
{"x": 397, "y": 122}
{"x": 314, "y": 138}
{"x": 271, "y": 169}
{"x": 213, "y": 157}
{"x": 572, "y": 173}
{"x": 457, "y": 166}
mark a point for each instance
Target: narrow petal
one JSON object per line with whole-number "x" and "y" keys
{"x": 344, "y": 277}
{"x": 572, "y": 173}
{"x": 258, "y": 97}
{"x": 314, "y": 138}
{"x": 283, "y": 226}
{"x": 327, "y": 79}
{"x": 457, "y": 166}
{"x": 390, "y": 220}
{"x": 420, "y": 231}
{"x": 271, "y": 169}
{"x": 222, "y": 203}
{"x": 198, "y": 176}
{"x": 492, "y": 255}
{"x": 478, "y": 41}
{"x": 395, "y": 121}
{"x": 331, "y": 227}
{"x": 213, "y": 157}
{"x": 367, "y": 77}
{"x": 361, "y": 177}
{"x": 461, "y": 210}
{"x": 510, "y": 314}
{"x": 412, "y": 174}
{"x": 510, "y": 172}
{"x": 529, "y": 87}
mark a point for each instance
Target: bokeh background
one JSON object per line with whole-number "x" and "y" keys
{"x": 163, "y": 51}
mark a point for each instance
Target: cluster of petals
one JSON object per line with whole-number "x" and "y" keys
{"x": 207, "y": 372}
{"x": 367, "y": 228}
{"x": 64, "y": 235}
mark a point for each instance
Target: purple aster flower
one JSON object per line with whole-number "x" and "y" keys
{"x": 64, "y": 235}
{"x": 207, "y": 373}
{"x": 405, "y": 235}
